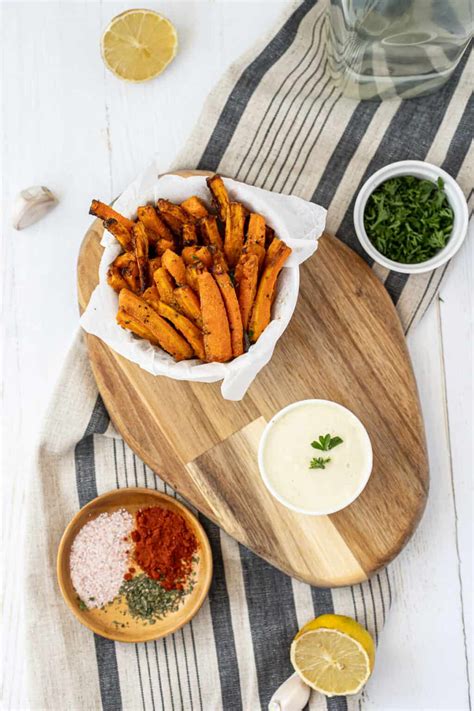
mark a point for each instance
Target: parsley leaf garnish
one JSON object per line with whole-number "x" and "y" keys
{"x": 319, "y": 463}
{"x": 326, "y": 442}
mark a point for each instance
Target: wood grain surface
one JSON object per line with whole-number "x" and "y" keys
{"x": 344, "y": 343}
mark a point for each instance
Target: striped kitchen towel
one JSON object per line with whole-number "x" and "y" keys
{"x": 277, "y": 121}
{"x": 231, "y": 657}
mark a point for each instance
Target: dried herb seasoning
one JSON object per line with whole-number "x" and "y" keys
{"x": 148, "y": 600}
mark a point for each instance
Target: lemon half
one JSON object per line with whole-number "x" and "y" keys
{"x": 138, "y": 45}
{"x": 334, "y": 655}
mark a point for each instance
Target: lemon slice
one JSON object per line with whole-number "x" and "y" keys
{"x": 334, "y": 655}
{"x": 138, "y": 45}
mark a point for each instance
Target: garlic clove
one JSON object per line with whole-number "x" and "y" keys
{"x": 292, "y": 695}
{"x": 31, "y": 205}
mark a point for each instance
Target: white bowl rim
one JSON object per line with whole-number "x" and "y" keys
{"x": 420, "y": 169}
{"x": 264, "y": 475}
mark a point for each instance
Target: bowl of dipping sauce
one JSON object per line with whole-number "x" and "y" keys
{"x": 315, "y": 457}
{"x": 411, "y": 216}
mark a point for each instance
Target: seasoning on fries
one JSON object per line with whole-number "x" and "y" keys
{"x": 193, "y": 279}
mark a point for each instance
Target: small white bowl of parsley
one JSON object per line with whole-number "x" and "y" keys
{"x": 411, "y": 216}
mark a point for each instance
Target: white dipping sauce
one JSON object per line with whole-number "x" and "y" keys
{"x": 286, "y": 453}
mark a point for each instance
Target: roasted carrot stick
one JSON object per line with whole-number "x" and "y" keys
{"x": 195, "y": 254}
{"x": 218, "y": 259}
{"x": 124, "y": 260}
{"x": 158, "y": 232}
{"x": 195, "y": 207}
{"x": 174, "y": 264}
{"x": 220, "y": 195}
{"x": 256, "y": 229}
{"x": 161, "y": 331}
{"x": 174, "y": 215}
{"x": 122, "y": 234}
{"x": 127, "y": 265}
{"x": 258, "y": 250}
{"x": 166, "y": 206}
{"x": 248, "y": 279}
{"x": 153, "y": 265}
{"x": 255, "y": 243}
{"x": 115, "y": 279}
{"x": 154, "y": 225}
{"x": 174, "y": 224}
{"x": 269, "y": 235}
{"x": 189, "y": 234}
{"x": 152, "y": 297}
{"x": 164, "y": 285}
{"x": 131, "y": 324}
{"x": 234, "y": 233}
{"x": 191, "y": 332}
{"x": 162, "y": 245}
{"x": 141, "y": 253}
{"x": 105, "y": 212}
{"x": 210, "y": 232}
{"x": 217, "y": 341}
{"x": 273, "y": 249}
{"x": 187, "y": 302}
{"x": 192, "y": 273}
{"x": 261, "y": 312}
{"x": 227, "y": 289}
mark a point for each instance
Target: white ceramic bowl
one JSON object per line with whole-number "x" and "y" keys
{"x": 419, "y": 169}
{"x": 365, "y": 475}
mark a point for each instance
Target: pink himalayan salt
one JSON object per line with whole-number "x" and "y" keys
{"x": 99, "y": 557}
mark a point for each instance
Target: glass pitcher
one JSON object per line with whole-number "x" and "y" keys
{"x": 378, "y": 49}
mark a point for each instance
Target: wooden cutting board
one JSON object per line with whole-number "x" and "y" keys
{"x": 344, "y": 343}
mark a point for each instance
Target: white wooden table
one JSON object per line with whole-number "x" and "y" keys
{"x": 72, "y": 126}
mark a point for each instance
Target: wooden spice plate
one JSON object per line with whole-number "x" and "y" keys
{"x": 114, "y": 621}
{"x": 344, "y": 343}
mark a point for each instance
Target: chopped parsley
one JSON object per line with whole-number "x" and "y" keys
{"x": 409, "y": 219}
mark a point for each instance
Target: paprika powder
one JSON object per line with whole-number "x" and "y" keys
{"x": 165, "y": 546}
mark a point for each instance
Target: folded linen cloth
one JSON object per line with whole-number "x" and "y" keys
{"x": 276, "y": 121}
{"x": 232, "y": 656}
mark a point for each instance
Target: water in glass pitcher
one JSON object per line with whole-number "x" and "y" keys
{"x": 386, "y": 48}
